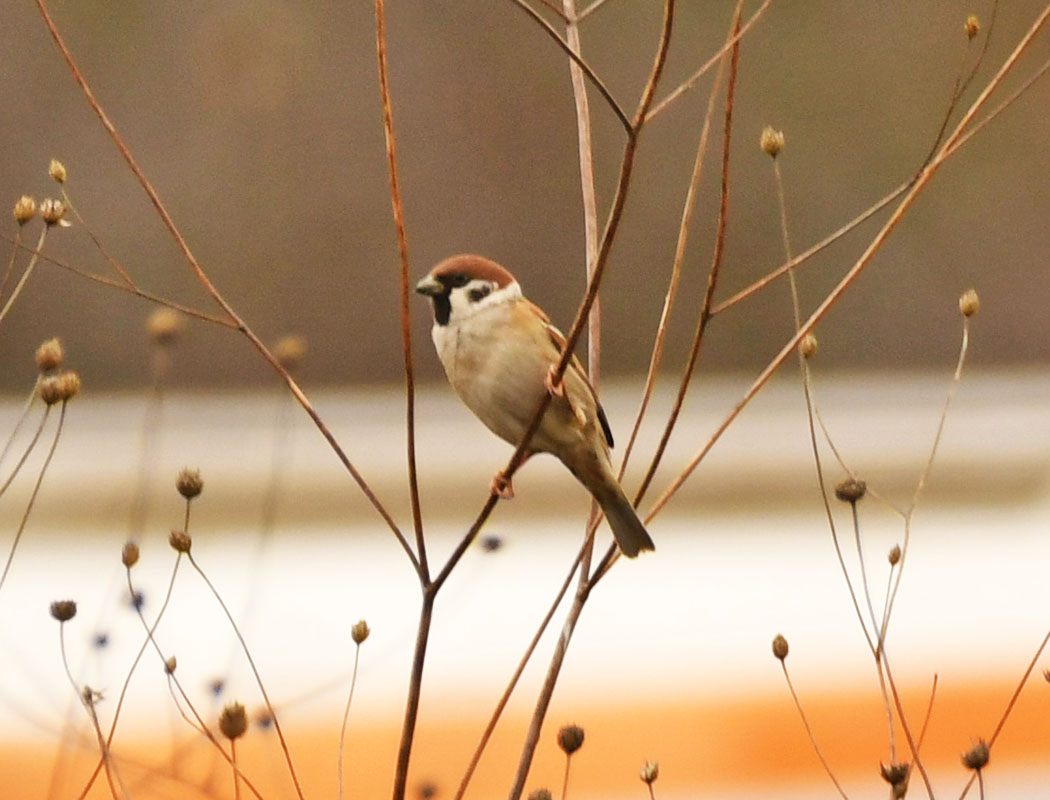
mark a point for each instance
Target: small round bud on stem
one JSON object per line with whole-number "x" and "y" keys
{"x": 49, "y": 355}
{"x": 129, "y": 556}
{"x": 570, "y": 739}
{"x": 896, "y": 775}
{"x": 780, "y": 647}
{"x": 360, "y": 631}
{"x": 49, "y": 390}
{"x": 57, "y": 170}
{"x": 771, "y": 141}
{"x": 189, "y": 482}
{"x": 972, "y": 26}
{"x": 169, "y": 665}
{"x": 650, "y": 772}
{"x": 68, "y": 385}
{"x": 808, "y": 346}
{"x": 969, "y": 303}
{"x": 164, "y": 326}
{"x": 233, "y": 721}
{"x": 894, "y": 555}
{"x": 180, "y": 541}
{"x": 25, "y": 209}
{"x": 851, "y": 490}
{"x": 977, "y": 756}
{"x": 290, "y": 351}
{"x": 541, "y": 794}
{"x": 63, "y": 610}
{"x": 52, "y": 212}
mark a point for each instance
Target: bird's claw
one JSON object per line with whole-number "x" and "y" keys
{"x": 554, "y": 383}
{"x": 501, "y": 486}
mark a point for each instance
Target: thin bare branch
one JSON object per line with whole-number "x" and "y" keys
{"x": 809, "y": 731}
{"x": 589, "y": 10}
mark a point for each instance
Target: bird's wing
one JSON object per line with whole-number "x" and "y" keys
{"x": 557, "y": 338}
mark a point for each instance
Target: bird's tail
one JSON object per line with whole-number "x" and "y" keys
{"x": 629, "y": 531}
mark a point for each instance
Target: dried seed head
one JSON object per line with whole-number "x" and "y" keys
{"x": 49, "y": 355}
{"x": 189, "y": 482}
{"x": 427, "y": 791}
{"x": 290, "y": 351}
{"x": 491, "y": 543}
{"x": 57, "y": 170}
{"x": 771, "y": 141}
{"x": 808, "y": 346}
{"x": 68, "y": 385}
{"x": 650, "y": 772}
{"x": 169, "y": 665}
{"x": 570, "y": 739}
{"x": 129, "y": 555}
{"x": 233, "y": 721}
{"x": 49, "y": 391}
{"x": 541, "y": 794}
{"x": 895, "y": 555}
{"x": 972, "y": 26}
{"x": 52, "y": 212}
{"x": 216, "y": 686}
{"x": 25, "y": 209}
{"x": 180, "y": 541}
{"x": 780, "y": 647}
{"x": 851, "y": 490}
{"x": 897, "y": 776}
{"x": 969, "y": 303}
{"x": 360, "y": 631}
{"x": 101, "y": 640}
{"x": 977, "y": 756}
{"x": 164, "y": 326}
{"x": 63, "y": 610}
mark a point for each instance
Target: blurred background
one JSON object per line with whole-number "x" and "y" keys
{"x": 259, "y": 124}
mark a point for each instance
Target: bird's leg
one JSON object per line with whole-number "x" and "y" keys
{"x": 554, "y": 383}
{"x": 501, "y": 486}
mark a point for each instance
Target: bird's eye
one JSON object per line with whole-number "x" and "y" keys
{"x": 459, "y": 279}
{"x": 480, "y": 293}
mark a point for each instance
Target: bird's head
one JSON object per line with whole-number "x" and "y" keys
{"x": 462, "y": 285}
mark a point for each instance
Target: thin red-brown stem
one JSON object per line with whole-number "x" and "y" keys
{"x": 592, "y": 76}
{"x": 589, "y": 10}
{"x": 554, "y": 7}
{"x": 236, "y": 772}
{"x": 704, "y": 316}
{"x": 9, "y": 303}
{"x": 656, "y": 356}
{"x": 406, "y": 318}
{"x": 212, "y": 290}
{"x": 929, "y": 714}
{"x": 859, "y": 266}
{"x": 255, "y": 672}
{"x": 809, "y": 731}
{"x": 415, "y": 685}
{"x": 346, "y": 718}
{"x": 117, "y": 266}
{"x": 690, "y": 82}
{"x": 16, "y": 243}
{"x": 565, "y": 778}
{"x": 25, "y": 454}
{"x": 903, "y": 719}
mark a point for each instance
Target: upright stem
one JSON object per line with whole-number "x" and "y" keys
{"x": 408, "y": 727}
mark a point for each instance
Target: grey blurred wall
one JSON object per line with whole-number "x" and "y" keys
{"x": 259, "y": 123}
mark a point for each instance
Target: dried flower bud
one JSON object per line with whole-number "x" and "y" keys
{"x": 189, "y": 482}
{"x": 541, "y": 794}
{"x": 650, "y": 772}
{"x": 129, "y": 556}
{"x": 25, "y": 209}
{"x": 896, "y": 775}
{"x": 977, "y": 756}
{"x": 169, "y": 665}
{"x": 290, "y": 351}
{"x": 52, "y": 212}
{"x": 233, "y": 721}
{"x": 57, "y": 170}
{"x": 491, "y": 543}
{"x": 780, "y": 647}
{"x": 895, "y": 555}
{"x": 216, "y": 686}
{"x": 969, "y": 303}
{"x": 68, "y": 385}
{"x": 360, "y": 631}
{"x": 771, "y": 141}
{"x": 49, "y": 355}
{"x": 180, "y": 541}
{"x": 427, "y": 791}
{"x": 808, "y": 346}
{"x": 851, "y": 490}
{"x": 570, "y": 739}
{"x": 63, "y": 610}
{"x": 972, "y": 26}
{"x": 49, "y": 390}
{"x": 165, "y": 326}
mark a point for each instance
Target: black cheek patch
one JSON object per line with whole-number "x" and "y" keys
{"x": 442, "y": 309}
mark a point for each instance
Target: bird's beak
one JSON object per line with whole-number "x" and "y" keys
{"x": 430, "y": 286}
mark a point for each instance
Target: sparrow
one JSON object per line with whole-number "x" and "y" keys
{"x": 500, "y": 353}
